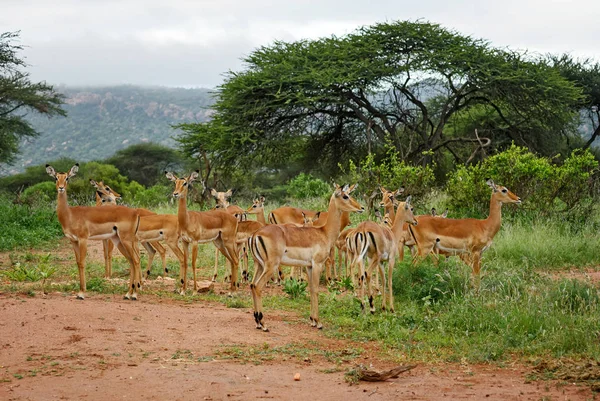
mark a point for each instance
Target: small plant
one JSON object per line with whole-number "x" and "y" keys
{"x": 294, "y": 288}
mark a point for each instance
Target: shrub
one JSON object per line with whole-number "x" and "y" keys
{"x": 390, "y": 173}
{"x": 542, "y": 185}
{"x": 306, "y": 186}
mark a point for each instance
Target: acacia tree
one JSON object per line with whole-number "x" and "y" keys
{"x": 396, "y": 83}
{"x": 585, "y": 74}
{"x": 19, "y": 95}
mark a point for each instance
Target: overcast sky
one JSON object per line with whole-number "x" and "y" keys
{"x": 192, "y": 42}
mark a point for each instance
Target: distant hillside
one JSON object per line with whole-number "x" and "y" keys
{"x": 102, "y": 120}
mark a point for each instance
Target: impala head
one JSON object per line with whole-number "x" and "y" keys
{"x": 105, "y": 193}
{"x": 310, "y": 221}
{"x": 406, "y": 209}
{"x": 390, "y": 197}
{"x": 62, "y": 179}
{"x": 344, "y": 201}
{"x": 502, "y": 194}
{"x": 257, "y": 207}
{"x": 222, "y": 198}
{"x": 182, "y": 184}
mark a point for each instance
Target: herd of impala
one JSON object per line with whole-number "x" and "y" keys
{"x": 291, "y": 236}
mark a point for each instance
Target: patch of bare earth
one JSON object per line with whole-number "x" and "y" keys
{"x": 106, "y": 348}
{"x": 590, "y": 275}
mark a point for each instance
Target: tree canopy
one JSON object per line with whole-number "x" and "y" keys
{"x": 19, "y": 95}
{"x": 416, "y": 86}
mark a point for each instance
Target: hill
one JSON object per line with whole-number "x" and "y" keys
{"x": 103, "y": 120}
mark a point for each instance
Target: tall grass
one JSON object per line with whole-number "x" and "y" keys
{"x": 24, "y": 226}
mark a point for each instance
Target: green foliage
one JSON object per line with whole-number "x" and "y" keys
{"x": 306, "y": 186}
{"x": 294, "y": 289}
{"x": 150, "y": 197}
{"x": 327, "y": 94}
{"x": 20, "y": 95}
{"x": 25, "y": 227}
{"x": 543, "y": 185}
{"x": 390, "y": 173}
{"x": 146, "y": 162}
{"x": 42, "y": 193}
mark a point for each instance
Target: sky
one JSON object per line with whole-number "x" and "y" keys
{"x": 192, "y": 43}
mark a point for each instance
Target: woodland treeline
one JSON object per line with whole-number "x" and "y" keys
{"x": 405, "y": 103}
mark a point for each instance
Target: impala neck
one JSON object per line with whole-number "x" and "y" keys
{"x": 62, "y": 209}
{"x": 98, "y": 200}
{"x": 494, "y": 220}
{"x": 399, "y": 220}
{"x": 333, "y": 225}
{"x": 182, "y": 210}
{"x": 389, "y": 208}
{"x": 260, "y": 217}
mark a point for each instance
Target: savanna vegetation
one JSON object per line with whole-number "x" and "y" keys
{"x": 397, "y": 104}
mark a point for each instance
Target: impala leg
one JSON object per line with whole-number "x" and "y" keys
{"x": 228, "y": 249}
{"x": 391, "y": 263}
{"x": 261, "y": 276}
{"x": 162, "y": 252}
{"x": 178, "y": 253}
{"x": 107, "y": 248}
{"x": 183, "y": 270}
{"x": 128, "y": 250}
{"x": 369, "y": 277}
{"x": 216, "y": 271}
{"x": 246, "y": 272}
{"x": 80, "y": 248}
{"x": 314, "y": 273}
{"x": 476, "y": 259}
{"x": 194, "y": 260}
{"x": 151, "y": 252}
{"x": 383, "y": 284}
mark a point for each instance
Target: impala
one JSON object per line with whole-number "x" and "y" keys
{"x": 382, "y": 244}
{"x": 275, "y": 244}
{"x": 201, "y": 227}
{"x": 105, "y": 195}
{"x": 81, "y": 224}
{"x": 222, "y": 203}
{"x": 153, "y": 228}
{"x": 467, "y": 237}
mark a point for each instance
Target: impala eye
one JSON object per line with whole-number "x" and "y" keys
{"x": 185, "y": 184}
{"x": 108, "y": 188}
{"x": 345, "y": 197}
{"x": 504, "y": 190}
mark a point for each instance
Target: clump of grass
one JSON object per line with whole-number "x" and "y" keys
{"x": 295, "y": 289}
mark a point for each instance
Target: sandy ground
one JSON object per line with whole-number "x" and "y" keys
{"x": 106, "y": 348}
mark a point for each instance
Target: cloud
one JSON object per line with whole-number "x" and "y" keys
{"x": 193, "y": 42}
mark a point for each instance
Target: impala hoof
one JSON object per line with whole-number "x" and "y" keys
{"x": 80, "y": 296}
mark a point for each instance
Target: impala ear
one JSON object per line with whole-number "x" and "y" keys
{"x": 317, "y": 216}
{"x": 352, "y": 188}
{"x": 491, "y": 184}
{"x": 50, "y": 171}
{"x": 73, "y": 170}
{"x": 445, "y": 214}
{"x": 433, "y": 212}
{"x": 407, "y": 204}
{"x": 399, "y": 191}
{"x": 170, "y": 176}
{"x": 337, "y": 189}
{"x": 94, "y": 183}
{"x": 193, "y": 176}
{"x": 262, "y": 199}
{"x": 382, "y": 189}
{"x": 214, "y": 193}
{"x": 228, "y": 193}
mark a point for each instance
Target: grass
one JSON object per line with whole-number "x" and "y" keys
{"x": 25, "y": 227}
{"x": 520, "y": 311}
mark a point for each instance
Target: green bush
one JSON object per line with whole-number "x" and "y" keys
{"x": 390, "y": 173}
{"x": 306, "y": 186}
{"x": 543, "y": 185}
{"x": 40, "y": 194}
{"x": 152, "y": 196}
